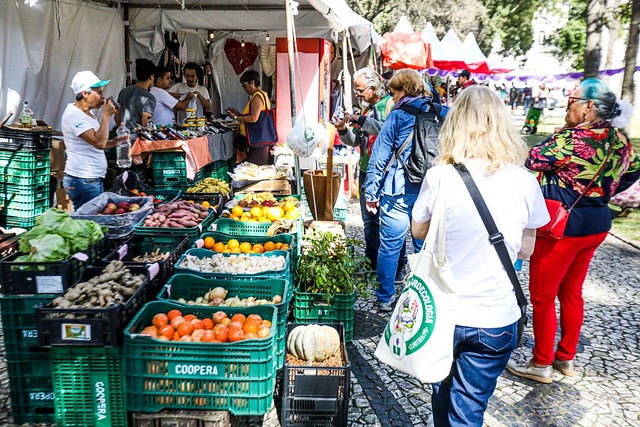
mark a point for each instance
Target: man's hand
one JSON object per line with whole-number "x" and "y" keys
{"x": 109, "y": 109}
{"x": 351, "y": 118}
{"x": 372, "y": 207}
{"x": 189, "y": 96}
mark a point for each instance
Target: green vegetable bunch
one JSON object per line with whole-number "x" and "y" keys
{"x": 329, "y": 264}
{"x": 56, "y": 236}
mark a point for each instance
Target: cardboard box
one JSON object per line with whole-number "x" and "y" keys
{"x": 62, "y": 200}
{"x": 56, "y": 157}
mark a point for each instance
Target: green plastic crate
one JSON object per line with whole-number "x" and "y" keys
{"x": 19, "y": 323}
{"x": 21, "y": 200}
{"x": 31, "y": 388}
{"x": 170, "y": 170}
{"x": 315, "y": 308}
{"x": 290, "y": 239}
{"x": 285, "y": 273}
{"x": 193, "y": 232}
{"x": 190, "y": 287}
{"x": 88, "y": 386}
{"x": 10, "y": 221}
{"x": 237, "y": 377}
{"x": 24, "y": 162}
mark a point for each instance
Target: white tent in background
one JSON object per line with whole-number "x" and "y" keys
{"x": 403, "y": 26}
{"x": 475, "y": 59}
{"x": 429, "y": 36}
{"x": 453, "y": 56}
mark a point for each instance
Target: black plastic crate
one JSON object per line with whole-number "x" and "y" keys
{"x": 99, "y": 326}
{"x": 47, "y": 277}
{"x": 16, "y": 139}
{"x": 181, "y": 419}
{"x": 215, "y": 200}
{"x": 139, "y": 244}
{"x": 316, "y": 395}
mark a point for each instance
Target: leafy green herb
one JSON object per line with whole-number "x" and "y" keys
{"x": 330, "y": 264}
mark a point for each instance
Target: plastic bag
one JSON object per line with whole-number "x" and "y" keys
{"x": 303, "y": 140}
{"x": 119, "y": 225}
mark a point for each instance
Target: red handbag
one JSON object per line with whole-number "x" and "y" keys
{"x": 559, "y": 214}
{"x": 554, "y": 229}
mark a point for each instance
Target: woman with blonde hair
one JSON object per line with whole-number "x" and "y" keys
{"x": 386, "y": 187}
{"x": 479, "y": 134}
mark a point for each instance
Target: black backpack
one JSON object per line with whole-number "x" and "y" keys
{"x": 426, "y": 139}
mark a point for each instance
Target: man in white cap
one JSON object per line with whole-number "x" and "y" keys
{"x": 86, "y": 138}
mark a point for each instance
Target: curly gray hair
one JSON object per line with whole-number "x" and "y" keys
{"x": 371, "y": 79}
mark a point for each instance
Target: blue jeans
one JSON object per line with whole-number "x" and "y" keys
{"x": 479, "y": 357}
{"x": 528, "y": 100}
{"x": 81, "y": 190}
{"x": 371, "y": 227}
{"x": 395, "y": 220}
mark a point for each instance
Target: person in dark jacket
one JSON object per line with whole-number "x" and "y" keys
{"x": 391, "y": 192}
{"x": 589, "y": 149}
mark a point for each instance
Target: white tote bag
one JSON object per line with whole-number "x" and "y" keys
{"x": 419, "y": 337}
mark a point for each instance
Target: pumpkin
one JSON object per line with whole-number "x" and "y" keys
{"x": 313, "y": 342}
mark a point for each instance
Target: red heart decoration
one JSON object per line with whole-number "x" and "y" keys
{"x": 240, "y": 57}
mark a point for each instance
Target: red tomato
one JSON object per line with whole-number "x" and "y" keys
{"x": 190, "y": 317}
{"x": 185, "y": 328}
{"x": 207, "y": 323}
{"x": 219, "y": 316}
{"x": 197, "y": 335}
{"x": 208, "y": 335}
{"x": 173, "y": 313}
{"x": 254, "y": 317}
{"x": 236, "y": 334}
{"x": 238, "y": 317}
{"x": 167, "y": 331}
{"x": 176, "y": 321}
{"x": 221, "y": 332}
{"x": 160, "y": 319}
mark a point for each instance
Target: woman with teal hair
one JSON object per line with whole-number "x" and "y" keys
{"x": 589, "y": 160}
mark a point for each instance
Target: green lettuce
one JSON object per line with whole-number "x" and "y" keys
{"x": 52, "y": 218}
{"x": 48, "y": 248}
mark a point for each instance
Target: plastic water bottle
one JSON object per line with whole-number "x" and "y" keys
{"x": 25, "y": 116}
{"x": 123, "y": 149}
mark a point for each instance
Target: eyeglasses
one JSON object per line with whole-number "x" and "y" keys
{"x": 572, "y": 100}
{"x": 245, "y": 84}
{"x": 360, "y": 91}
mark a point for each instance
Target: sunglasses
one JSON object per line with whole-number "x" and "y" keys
{"x": 98, "y": 91}
{"x": 572, "y": 100}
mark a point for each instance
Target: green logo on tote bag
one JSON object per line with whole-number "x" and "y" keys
{"x": 413, "y": 320}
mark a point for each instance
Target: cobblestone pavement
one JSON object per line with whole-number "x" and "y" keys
{"x": 605, "y": 392}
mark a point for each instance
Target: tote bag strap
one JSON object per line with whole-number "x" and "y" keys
{"x": 262, "y": 95}
{"x": 495, "y": 237}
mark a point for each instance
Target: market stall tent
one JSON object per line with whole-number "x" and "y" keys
{"x": 40, "y": 56}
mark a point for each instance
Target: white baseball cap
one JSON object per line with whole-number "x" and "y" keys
{"x": 85, "y": 80}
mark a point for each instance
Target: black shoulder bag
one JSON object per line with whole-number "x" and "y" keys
{"x": 497, "y": 241}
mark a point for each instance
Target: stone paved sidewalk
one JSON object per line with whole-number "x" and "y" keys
{"x": 605, "y": 392}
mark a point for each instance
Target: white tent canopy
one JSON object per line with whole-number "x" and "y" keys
{"x": 403, "y": 26}
{"x": 429, "y": 36}
{"x": 37, "y": 66}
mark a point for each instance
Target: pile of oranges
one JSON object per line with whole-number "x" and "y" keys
{"x": 259, "y": 213}
{"x": 234, "y": 246}
{"x": 173, "y": 326}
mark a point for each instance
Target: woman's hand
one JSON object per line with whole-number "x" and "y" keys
{"x": 372, "y": 207}
{"x": 233, "y": 113}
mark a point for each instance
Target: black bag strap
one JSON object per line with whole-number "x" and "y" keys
{"x": 495, "y": 237}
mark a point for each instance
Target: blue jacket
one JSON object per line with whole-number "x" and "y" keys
{"x": 394, "y": 132}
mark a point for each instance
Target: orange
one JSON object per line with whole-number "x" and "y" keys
{"x": 233, "y": 244}
{"x": 258, "y": 248}
{"x": 219, "y": 247}
{"x": 284, "y": 247}
{"x": 245, "y": 247}
{"x": 236, "y": 251}
{"x": 209, "y": 242}
{"x": 288, "y": 206}
{"x": 278, "y": 246}
{"x": 275, "y": 213}
{"x": 269, "y": 246}
{"x": 237, "y": 211}
{"x": 206, "y": 204}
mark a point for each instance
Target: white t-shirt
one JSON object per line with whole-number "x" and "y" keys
{"x": 163, "y": 113}
{"x": 485, "y": 294}
{"x": 182, "y": 88}
{"x": 83, "y": 159}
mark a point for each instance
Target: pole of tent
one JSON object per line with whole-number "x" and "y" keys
{"x": 127, "y": 49}
{"x": 292, "y": 86}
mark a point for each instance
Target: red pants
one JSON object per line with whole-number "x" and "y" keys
{"x": 558, "y": 269}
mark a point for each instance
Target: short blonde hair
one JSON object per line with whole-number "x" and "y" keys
{"x": 407, "y": 80}
{"x": 478, "y": 126}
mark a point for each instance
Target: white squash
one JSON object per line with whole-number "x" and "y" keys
{"x": 313, "y": 342}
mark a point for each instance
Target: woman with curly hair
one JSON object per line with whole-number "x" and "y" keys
{"x": 588, "y": 157}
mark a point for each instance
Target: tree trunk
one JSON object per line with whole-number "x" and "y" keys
{"x": 613, "y": 24}
{"x": 593, "y": 50}
{"x": 628, "y": 86}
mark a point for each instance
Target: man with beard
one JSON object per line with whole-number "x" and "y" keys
{"x": 203, "y": 101}
{"x": 361, "y": 131}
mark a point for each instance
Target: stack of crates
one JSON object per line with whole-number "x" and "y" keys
{"x": 25, "y": 190}
{"x": 29, "y": 366}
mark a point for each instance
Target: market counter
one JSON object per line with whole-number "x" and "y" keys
{"x": 199, "y": 152}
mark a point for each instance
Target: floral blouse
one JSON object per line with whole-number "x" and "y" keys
{"x": 568, "y": 161}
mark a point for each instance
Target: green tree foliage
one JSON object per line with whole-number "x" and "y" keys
{"x": 570, "y": 40}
